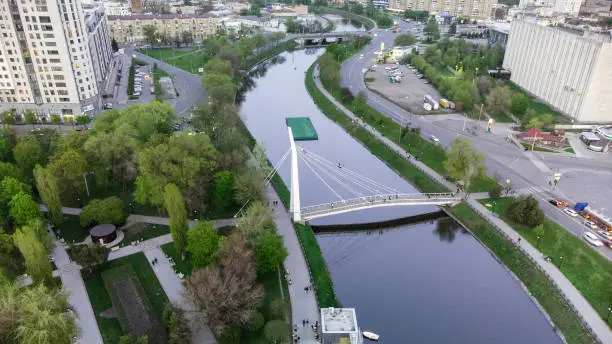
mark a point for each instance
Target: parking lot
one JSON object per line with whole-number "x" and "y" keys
{"x": 408, "y": 93}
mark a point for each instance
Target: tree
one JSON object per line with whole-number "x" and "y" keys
{"x": 222, "y": 194}
{"x": 498, "y": 101}
{"x": 114, "y": 45}
{"x": 36, "y": 257}
{"x": 529, "y": 115}
{"x": 227, "y": 294}
{"x": 134, "y": 339}
{"x": 109, "y": 210}
{"x": 83, "y": 120}
{"x": 249, "y": 186}
{"x": 276, "y": 331}
{"x": 27, "y": 154}
{"x": 30, "y": 117}
{"x": 279, "y": 308}
{"x": 432, "y": 30}
{"x": 149, "y": 32}
{"x": 540, "y": 121}
{"x": 463, "y": 162}
{"x": 277, "y": 36}
{"x": 11, "y": 263}
{"x": 452, "y": 29}
{"x": 203, "y": 243}
{"x": 539, "y": 231}
{"x": 495, "y": 191}
{"x": 186, "y": 37}
{"x": 176, "y": 324}
{"x": 270, "y": 252}
{"x": 11, "y": 186}
{"x": 518, "y": 104}
{"x": 68, "y": 168}
{"x": 36, "y": 314}
{"x": 257, "y": 321}
{"x": 22, "y": 209}
{"x": 405, "y": 39}
{"x": 49, "y": 193}
{"x": 526, "y": 211}
{"x": 175, "y": 206}
{"x": 89, "y": 256}
{"x": 257, "y": 220}
{"x": 483, "y": 83}
{"x": 7, "y": 118}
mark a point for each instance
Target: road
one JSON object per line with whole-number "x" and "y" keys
{"x": 530, "y": 172}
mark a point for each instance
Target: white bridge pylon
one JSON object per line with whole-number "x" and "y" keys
{"x": 369, "y": 193}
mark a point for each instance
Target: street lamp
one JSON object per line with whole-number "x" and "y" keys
{"x": 538, "y": 244}
{"x": 609, "y": 312}
{"x": 560, "y": 262}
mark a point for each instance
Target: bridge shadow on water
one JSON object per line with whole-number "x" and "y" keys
{"x": 379, "y": 225}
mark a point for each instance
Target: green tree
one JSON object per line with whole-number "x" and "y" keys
{"x": 203, "y": 244}
{"x": 68, "y": 168}
{"x": 175, "y": 206}
{"x": 495, "y": 191}
{"x": 83, "y": 120}
{"x": 30, "y": 117}
{"x": 279, "y": 308}
{"x": 176, "y": 324}
{"x": 249, "y": 186}
{"x": 540, "y": 121}
{"x": 432, "y": 30}
{"x": 23, "y": 209}
{"x": 277, "y": 37}
{"x": 133, "y": 339}
{"x": 109, "y": 210}
{"x": 452, "y": 29}
{"x": 222, "y": 195}
{"x": 257, "y": 220}
{"x": 7, "y": 118}
{"x": 89, "y": 256}
{"x": 36, "y": 258}
{"x": 276, "y": 331}
{"x": 56, "y": 119}
{"x": 518, "y": 104}
{"x": 149, "y": 32}
{"x": 257, "y": 322}
{"x": 483, "y": 83}
{"x": 27, "y": 154}
{"x": 49, "y": 193}
{"x": 463, "y": 162}
{"x": 11, "y": 186}
{"x": 270, "y": 252}
{"x": 11, "y": 263}
{"x": 405, "y": 39}
{"x": 525, "y": 210}
{"x": 529, "y": 115}
{"x": 498, "y": 101}
{"x": 9, "y": 170}
{"x": 186, "y": 37}
{"x": 36, "y": 315}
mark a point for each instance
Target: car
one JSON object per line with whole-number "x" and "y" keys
{"x": 591, "y": 224}
{"x": 108, "y": 106}
{"x": 605, "y": 234}
{"x": 571, "y": 212}
{"x": 152, "y": 89}
{"x": 558, "y": 202}
{"x": 375, "y": 35}
{"x": 420, "y": 76}
{"x": 361, "y": 56}
{"x": 434, "y": 139}
{"x": 592, "y": 239}
{"x": 426, "y": 82}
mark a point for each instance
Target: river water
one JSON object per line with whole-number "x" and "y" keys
{"x": 344, "y": 24}
{"x": 429, "y": 282}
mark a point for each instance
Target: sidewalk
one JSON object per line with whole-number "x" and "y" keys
{"x": 303, "y": 305}
{"x": 580, "y": 305}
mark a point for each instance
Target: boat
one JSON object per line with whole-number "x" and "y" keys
{"x": 370, "y": 335}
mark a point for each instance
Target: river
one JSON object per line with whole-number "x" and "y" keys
{"x": 429, "y": 282}
{"x": 344, "y": 24}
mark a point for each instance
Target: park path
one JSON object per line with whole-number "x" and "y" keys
{"x": 303, "y": 304}
{"x": 581, "y": 306}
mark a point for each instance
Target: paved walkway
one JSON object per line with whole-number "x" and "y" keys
{"x": 581, "y": 306}
{"x": 303, "y": 305}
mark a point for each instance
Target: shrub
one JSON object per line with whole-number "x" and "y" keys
{"x": 495, "y": 191}
{"x": 109, "y": 210}
{"x": 526, "y": 211}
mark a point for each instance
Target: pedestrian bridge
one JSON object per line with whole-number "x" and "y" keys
{"x": 367, "y": 202}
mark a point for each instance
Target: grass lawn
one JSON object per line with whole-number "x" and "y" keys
{"x": 100, "y": 300}
{"x": 370, "y": 79}
{"x": 71, "y": 229}
{"x": 538, "y": 149}
{"x": 588, "y": 271}
{"x": 569, "y": 150}
{"x": 540, "y": 108}
{"x": 144, "y": 231}
{"x": 182, "y": 266}
{"x": 320, "y": 275}
{"x": 536, "y": 282}
{"x": 188, "y": 60}
{"x": 158, "y": 73}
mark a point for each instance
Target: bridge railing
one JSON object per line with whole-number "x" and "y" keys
{"x": 437, "y": 198}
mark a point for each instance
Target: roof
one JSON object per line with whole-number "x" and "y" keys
{"x": 160, "y": 16}
{"x": 535, "y": 132}
{"x": 102, "y": 230}
{"x": 339, "y": 320}
{"x": 500, "y": 27}
{"x": 590, "y": 136}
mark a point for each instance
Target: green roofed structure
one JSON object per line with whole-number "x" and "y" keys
{"x": 302, "y": 128}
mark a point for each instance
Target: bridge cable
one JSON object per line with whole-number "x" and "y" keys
{"x": 320, "y": 178}
{"x": 332, "y": 176}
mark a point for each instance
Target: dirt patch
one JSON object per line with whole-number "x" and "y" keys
{"x": 135, "y": 311}
{"x": 408, "y": 94}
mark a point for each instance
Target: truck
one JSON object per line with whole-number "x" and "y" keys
{"x": 427, "y": 106}
{"x": 444, "y": 103}
{"x": 580, "y": 206}
{"x": 451, "y": 105}
{"x": 434, "y": 104}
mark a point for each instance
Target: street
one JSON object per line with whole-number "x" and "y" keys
{"x": 583, "y": 180}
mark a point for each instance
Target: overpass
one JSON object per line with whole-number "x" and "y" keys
{"x": 325, "y": 38}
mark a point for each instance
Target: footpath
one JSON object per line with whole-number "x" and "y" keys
{"x": 579, "y": 304}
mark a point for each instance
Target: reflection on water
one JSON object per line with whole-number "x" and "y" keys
{"x": 429, "y": 282}
{"x": 345, "y": 24}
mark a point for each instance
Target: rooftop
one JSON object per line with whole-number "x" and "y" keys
{"x": 338, "y": 320}
{"x": 160, "y": 16}
{"x": 500, "y": 27}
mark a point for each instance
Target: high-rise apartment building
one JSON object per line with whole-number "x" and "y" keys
{"x": 570, "y": 7}
{"x": 46, "y": 63}
{"x": 480, "y": 9}
{"x": 567, "y": 68}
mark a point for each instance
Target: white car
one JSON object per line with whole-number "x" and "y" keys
{"x": 592, "y": 239}
{"x": 361, "y": 56}
{"x": 605, "y": 235}
{"x": 571, "y": 212}
{"x": 434, "y": 139}
{"x": 591, "y": 225}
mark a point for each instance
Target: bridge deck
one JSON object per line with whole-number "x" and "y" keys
{"x": 343, "y": 206}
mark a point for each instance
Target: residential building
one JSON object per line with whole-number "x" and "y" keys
{"x": 46, "y": 65}
{"x": 567, "y": 68}
{"x": 117, "y": 8}
{"x": 569, "y": 7}
{"x": 339, "y": 325}
{"x": 129, "y": 29}
{"x": 479, "y": 9}
{"x": 99, "y": 42}
{"x": 499, "y": 32}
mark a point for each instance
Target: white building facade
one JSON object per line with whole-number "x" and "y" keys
{"x": 569, "y": 70}
{"x": 45, "y": 59}
{"x": 478, "y": 9}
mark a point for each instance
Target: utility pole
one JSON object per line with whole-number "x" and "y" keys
{"x": 481, "y": 105}
{"x": 399, "y": 140}
{"x": 535, "y": 133}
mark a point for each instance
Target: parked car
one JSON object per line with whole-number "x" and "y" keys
{"x": 559, "y": 203}
{"x": 108, "y": 106}
{"x": 571, "y": 212}
{"x": 592, "y": 239}
{"x": 426, "y": 82}
{"x": 591, "y": 225}
{"x": 434, "y": 139}
{"x": 605, "y": 234}
{"x": 361, "y": 56}
{"x": 152, "y": 89}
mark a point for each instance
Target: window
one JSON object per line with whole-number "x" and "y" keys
{"x": 62, "y": 93}
{"x": 46, "y": 35}
{"x": 60, "y": 84}
{"x": 64, "y": 99}
{"x": 56, "y": 68}
{"x": 58, "y": 77}
{"x": 54, "y": 60}
{"x": 52, "y": 52}
{"x": 50, "y": 44}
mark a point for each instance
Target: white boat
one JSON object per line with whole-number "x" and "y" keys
{"x": 370, "y": 335}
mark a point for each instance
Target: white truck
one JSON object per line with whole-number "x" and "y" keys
{"x": 429, "y": 100}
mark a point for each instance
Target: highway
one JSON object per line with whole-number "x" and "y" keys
{"x": 528, "y": 172}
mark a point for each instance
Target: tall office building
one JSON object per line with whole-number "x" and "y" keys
{"x": 480, "y": 9}
{"x": 567, "y": 68}
{"x": 570, "y": 7}
{"x": 46, "y": 63}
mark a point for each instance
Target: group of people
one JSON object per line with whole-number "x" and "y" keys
{"x": 154, "y": 261}
{"x": 314, "y": 326}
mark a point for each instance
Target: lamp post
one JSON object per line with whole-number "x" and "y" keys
{"x": 85, "y": 179}
{"x": 609, "y": 312}
{"x": 538, "y": 244}
{"x": 560, "y": 262}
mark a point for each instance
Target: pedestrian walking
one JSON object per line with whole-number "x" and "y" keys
{"x": 303, "y": 322}
{"x": 519, "y": 241}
